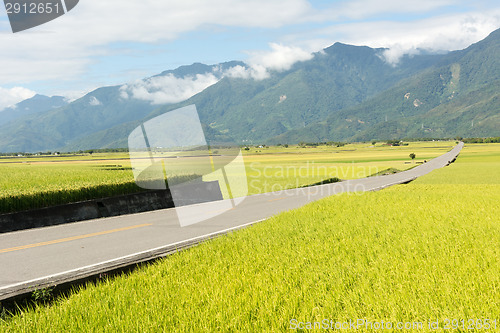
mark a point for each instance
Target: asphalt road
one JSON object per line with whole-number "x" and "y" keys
{"x": 38, "y": 258}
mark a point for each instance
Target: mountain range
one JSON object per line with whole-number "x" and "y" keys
{"x": 343, "y": 93}
{"x": 33, "y": 105}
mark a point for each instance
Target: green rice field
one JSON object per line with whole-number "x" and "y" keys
{"x": 416, "y": 255}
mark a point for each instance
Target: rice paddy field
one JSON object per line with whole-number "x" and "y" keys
{"x": 36, "y": 182}
{"x": 421, "y": 257}
{"x": 277, "y": 168}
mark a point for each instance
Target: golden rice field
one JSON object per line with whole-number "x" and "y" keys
{"x": 275, "y": 168}
{"x": 416, "y": 255}
{"x": 28, "y": 183}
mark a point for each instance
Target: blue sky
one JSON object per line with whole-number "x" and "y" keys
{"x": 120, "y": 41}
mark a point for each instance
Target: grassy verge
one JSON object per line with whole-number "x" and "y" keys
{"x": 411, "y": 253}
{"x": 33, "y": 185}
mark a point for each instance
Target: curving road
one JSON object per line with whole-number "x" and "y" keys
{"x": 39, "y": 258}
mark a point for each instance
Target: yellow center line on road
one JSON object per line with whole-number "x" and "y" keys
{"x": 276, "y": 199}
{"x": 68, "y": 239}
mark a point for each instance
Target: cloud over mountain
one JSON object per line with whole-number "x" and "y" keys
{"x": 279, "y": 58}
{"x": 14, "y": 95}
{"x": 167, "y": 88}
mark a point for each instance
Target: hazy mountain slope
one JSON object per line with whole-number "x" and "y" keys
{"x": 199, "y": 68}
{"x": 102, "y": 109}
{"x": 33, "y": 105}
{"x": 98, "y": 110}
{"x": 209, "y": 99}
{"x": 117, "y": 137}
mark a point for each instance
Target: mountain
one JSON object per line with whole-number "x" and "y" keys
{"x": 344, "y": 92}
{"x": 198, "y": 68}
{"x": 56, "y": 126}
{"x": 459, "y": 96}
{"x": 33, "y": 105}
{"x": 98, "y": 110}
{"x": 252, "y": 110}
{"x": 339, "y": 77}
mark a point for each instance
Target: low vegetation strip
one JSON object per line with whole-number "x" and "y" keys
{"x": 42, "y": 199}
{"x": 411, "y": 253}
{"x": 25, "y": 186}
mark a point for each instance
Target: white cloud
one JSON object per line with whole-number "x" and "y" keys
{"x": 9, "y": 97}
{"x": 238, "y": 72}
{"x": 63, "y": 48}
{"x": 168, "y": 88}
{"x": 255, "y": 71}
{"x": 444, "y": 34}
{"x": 279, "y": 58}
{"x": 93, "y": 101}
{"x": 360, "y": 9}
{"x": 171, "y": 89}
{"x": 440, "y": 33}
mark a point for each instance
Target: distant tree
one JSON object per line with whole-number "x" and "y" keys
{"x": 482, "y": 140}
{"x": 285, "y": 145}
{"x": 412, "y": 156}
{"x": 336, "y": 144}
{"x": 373, "y": 143}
